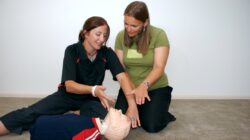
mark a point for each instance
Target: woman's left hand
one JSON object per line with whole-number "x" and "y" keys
{"x": 141, "y": 93}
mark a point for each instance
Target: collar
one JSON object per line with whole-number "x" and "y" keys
{"x": 83, "y": 54}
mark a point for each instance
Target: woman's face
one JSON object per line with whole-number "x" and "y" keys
{"x": 133, "y": 26}
{"x": 96, "y": 37}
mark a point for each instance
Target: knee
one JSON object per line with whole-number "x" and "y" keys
{"x": 25, "y": 114}
{"x": 152, "y": 127}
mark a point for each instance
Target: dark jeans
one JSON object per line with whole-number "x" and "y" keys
{"x": 154, "y": 115}
{"x": 57, "y": 103}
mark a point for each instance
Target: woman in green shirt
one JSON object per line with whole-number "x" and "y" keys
{"x": 143, "y": 50}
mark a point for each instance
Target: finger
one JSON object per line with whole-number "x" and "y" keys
{"x": 148, "y": 98}
{"x": 137, "y": 99}
{"x": 103, "y": 104}
{"x": 106, "y": 104}
{"x": 138, "y": 121}
{"x": 112, "y": 103}
{"x": 142, "y": 100}
{"x": 134, "y": 125}
{"x": 103, "y": 88}
{"x": 110, "y": 99}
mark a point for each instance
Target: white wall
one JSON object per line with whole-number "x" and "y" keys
{"x": 209, "y": 43}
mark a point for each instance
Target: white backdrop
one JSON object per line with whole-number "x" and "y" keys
{"x": 209, "y": 40}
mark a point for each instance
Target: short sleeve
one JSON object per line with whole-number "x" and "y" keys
{"x": 119, "y": 41}
{"x": 69, "y": 65}
{"x": 113, "y": 63}
{"x": 161, "y": 39}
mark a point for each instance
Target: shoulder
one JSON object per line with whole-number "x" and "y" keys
{"x": 73, "y": 46}
{"x": 106, "y": 49}
{"x": 72, "y": 49}
{"x": 120, "y": 34}
{"x": 155, "y": 31}
{"x": 107, "y": 52}
{"x": 158, "y": 37}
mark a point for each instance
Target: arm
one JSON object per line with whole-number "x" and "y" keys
{"x": 76, "y": 88}
{"x": 160, "y": 60}
{"x": 127, "y": 87}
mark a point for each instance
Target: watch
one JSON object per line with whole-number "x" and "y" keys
{"x": 146, "y": 83}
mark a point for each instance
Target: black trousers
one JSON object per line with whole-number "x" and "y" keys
{"x": 154, "y": 115}
{"x": 56, "y": 103}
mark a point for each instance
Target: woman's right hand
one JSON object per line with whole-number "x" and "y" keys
{"x": 105, "y": 100}
{"x": 133, "y": 114}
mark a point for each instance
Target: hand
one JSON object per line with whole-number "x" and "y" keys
{"x": 105, "y": 100}
{"x": 141, "y": 93}
{"x": 133, "y": 114}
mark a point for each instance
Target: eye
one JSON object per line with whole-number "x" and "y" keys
{"x": 98, "y": 34}
{"x": 134, "y": 26}
{"x": 105, "y": 35}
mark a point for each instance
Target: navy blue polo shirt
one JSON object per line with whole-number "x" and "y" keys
{"x": 64, "y": 127}
{"x": 77, "y": 66}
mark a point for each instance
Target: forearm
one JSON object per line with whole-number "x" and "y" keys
{"x": 160, "y": 61}
{"x": 127, "y": 87}
{"x": 76, "y": 88}
{"x": 153, "y": 76}
{"x": 125, "y": 83}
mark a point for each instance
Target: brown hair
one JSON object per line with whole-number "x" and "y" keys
{"x": 91, "y": 23}
{"x": 139, "y": 11}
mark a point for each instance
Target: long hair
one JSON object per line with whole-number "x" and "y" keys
{"x": 139, "y": 11}
{"x": 91, "y": 23}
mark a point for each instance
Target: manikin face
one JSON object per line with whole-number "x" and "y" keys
{"x": 115, "y": 116}
{"x": 133, "y": 26}
{"x": 118, "y": 125}
{"x": 96, "y": 37}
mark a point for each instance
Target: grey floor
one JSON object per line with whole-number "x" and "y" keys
{"x": 196, "y": 120}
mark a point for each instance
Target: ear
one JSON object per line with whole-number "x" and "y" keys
{"x": 145, "y": 23}
{"x": 85, "y": 33}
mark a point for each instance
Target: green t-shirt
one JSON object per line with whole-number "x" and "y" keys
{"x": 138, "y": 65}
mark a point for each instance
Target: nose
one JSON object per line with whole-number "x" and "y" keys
{"x": 102, "y": 38}
{"x": 128, "y": 28}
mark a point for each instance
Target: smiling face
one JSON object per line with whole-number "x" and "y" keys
{"x": 96, "y": 37}
{"x": 118, "y": 125}
{"x": 133, "y": 26}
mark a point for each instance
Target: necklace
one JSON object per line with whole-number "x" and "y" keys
{"x": 92, "y": 57}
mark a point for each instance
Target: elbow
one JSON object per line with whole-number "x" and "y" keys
{"x": 160, "y": 70}
{"x": 68, "y": 86}
{"x": 120, "y": 77}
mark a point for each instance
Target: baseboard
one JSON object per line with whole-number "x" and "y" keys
{"x": 212, "y": 97}
{"x": 41, "y": 95}
{"x": 24, "y": 95}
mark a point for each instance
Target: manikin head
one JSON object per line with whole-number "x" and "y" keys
{"x": 116, "y": 125}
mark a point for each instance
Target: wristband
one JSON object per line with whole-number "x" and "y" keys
{"x": 93, "y": 91}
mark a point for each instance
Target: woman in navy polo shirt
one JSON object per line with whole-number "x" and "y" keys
{"x": 81, "y": 87}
